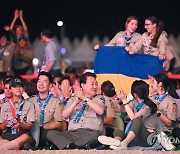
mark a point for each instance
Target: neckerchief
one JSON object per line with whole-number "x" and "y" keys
{"x": 80, "y": 113}
{"x": 159, "y": 100}
{"x": 127, "y": 39}
{"x": 129, "y": 125}
{"x": 42, "y": 106}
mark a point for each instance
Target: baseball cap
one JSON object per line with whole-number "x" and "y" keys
{"x": 22, "y": 37}
{"x": 16, "y": 82}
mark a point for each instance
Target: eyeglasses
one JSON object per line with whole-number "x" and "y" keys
{"x": 147, "y": 24}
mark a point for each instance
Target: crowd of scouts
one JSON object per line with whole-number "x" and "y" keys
{"x": 62, "y": 112}
{"x": 60, "y": 115}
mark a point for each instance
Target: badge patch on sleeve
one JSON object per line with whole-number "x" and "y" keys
{"x": 174, "y": 107}
{"x": 112, "y": 105}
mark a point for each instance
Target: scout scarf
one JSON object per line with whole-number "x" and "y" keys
{"x": 127, "y": 39}
{"x": 129, "y": 125}
{"x": 42, "y": 106}
{"x": 80, "y": 113}
{"x": 159, "y": 100}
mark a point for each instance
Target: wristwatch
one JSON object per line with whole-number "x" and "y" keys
{"x": 158, "y": 114}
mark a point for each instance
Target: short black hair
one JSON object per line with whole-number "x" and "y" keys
{"x": 47, "y": 33}
{"x": 65, "y": 77}
{"x": 70, "y": 69}
{"x": 108, "y": 88}
{"x": 46, "y": 74}
{"x": 83, "y": 77}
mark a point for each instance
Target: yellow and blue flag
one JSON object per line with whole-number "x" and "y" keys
{"x": 122, "y": 69}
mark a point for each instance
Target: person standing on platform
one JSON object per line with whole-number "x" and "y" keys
{"x": 126, "y": 38}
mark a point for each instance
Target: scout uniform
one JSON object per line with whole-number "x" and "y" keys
{"x": 5, "y": 58}
{"x": 89, "y": 119}
{"x": 168, "y": 107}
{"x": 120, "y": 39}
{"x": 24, "y": 111}
{"x": 148, "y": 49}
{"x": 52, "y": 112}
{"x": 110, "y": 112}
{"x": 150, "y": 124}
{"x": 84, "y": 125}
{"x": 149, "y": 120}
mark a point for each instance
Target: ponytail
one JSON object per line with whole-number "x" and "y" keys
{"x": 150, "y": 104}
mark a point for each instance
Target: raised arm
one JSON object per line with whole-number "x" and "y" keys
{"x": 16, "y": 16}
{"x": 23, "y": 22}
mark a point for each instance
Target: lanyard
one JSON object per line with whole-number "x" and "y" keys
{"x": 159, "y": 100}
{"x": 19, "y": 113}
{"x": 2, "y": 53}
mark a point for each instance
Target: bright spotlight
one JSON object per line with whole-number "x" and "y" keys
{"x": 60, "y": 23}
{"x": 35, "y": 62}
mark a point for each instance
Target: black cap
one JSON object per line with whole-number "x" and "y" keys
{"x": 16, "y": 82}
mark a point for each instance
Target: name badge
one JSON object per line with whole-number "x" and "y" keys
{"x": 13, "y": 131}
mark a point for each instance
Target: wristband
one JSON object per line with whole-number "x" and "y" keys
{"x": 126, "y": 103}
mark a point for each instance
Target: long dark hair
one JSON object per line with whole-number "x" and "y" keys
{"x": 167, "y": 84}
{"x": 141, "y": 88}
{"x": 159, "y": 29}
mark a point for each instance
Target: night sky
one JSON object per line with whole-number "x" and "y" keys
{"x": 89, "y": 17}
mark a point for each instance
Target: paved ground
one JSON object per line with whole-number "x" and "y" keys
{"x": 87, "y": 152}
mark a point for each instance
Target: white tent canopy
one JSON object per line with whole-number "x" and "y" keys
{"x": 83, "y": 53}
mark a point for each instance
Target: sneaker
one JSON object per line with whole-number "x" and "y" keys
{"x": 108, "y": 140}
{"x": 122, "y": 146}
{"x": 164, "y": 141}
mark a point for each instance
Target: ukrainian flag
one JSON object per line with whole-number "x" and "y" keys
{"x": 122, "y": 69}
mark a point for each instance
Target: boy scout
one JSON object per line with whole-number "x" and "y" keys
{"x": 84, "y": 111}
{"x": 16, "y": 118}
{"x": 47, "y": 109}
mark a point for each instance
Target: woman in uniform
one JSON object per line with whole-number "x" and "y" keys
{"x": 126, "y": 38}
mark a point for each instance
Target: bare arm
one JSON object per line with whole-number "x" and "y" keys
{"x": 16, "y": 15}
{"x": 23, "y": 22}
{"x": 109, "y": 121}
{"x": 129, "y": 111}
{"x": 50, "y": 65}
{"x": 165, "y": 120}
{"x": 52, "y": 125}
{"x": 96, "y": 107}
{"x": 68, "y": 110}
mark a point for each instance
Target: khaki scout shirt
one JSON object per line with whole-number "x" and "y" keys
{"x": 168, "y": 107}
{"x": 145, "y": 41}
{"x": 26, "y": 116}
{"x": 119, "y": 40}
{"x": 7, "y": 59}
{"x": 150, "y": 121}
{"x": 145, "y": 111}
{"x": 110, "y": 112}
{"x": 52, "y": 111}
{"x": 90, "y": 119}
